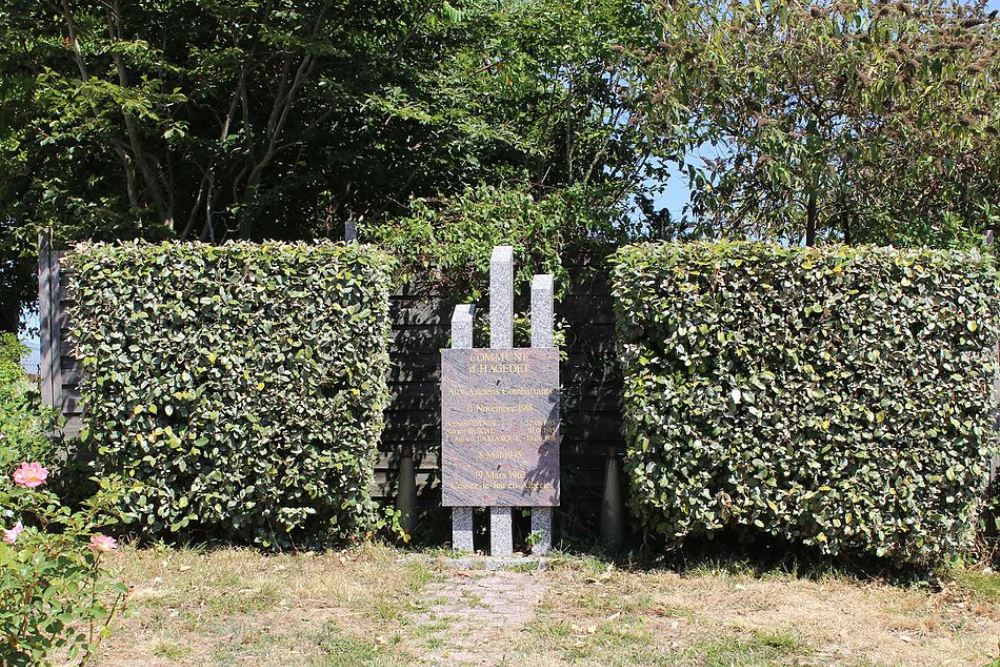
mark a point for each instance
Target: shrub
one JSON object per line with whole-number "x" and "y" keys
{"x": 22, "y": 419}
{"x": 450, "y": 240}
{"x": 837, "y": 397}
{"x": 56, "y": 596}
{"x": 239, "y": 387}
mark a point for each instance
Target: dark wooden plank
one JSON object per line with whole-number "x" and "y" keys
{"x": 57, "y": 320}
{"x": 593, "y": 426}
{"x": 71, "y": 376}
{"x": 581, "y": 374}
{"x": 71, "y": 430}
{"x": 404, "y": 427}
{"x": 589, "y": 283}
{"x": 45, "y": 315}
{"x": 583, "y": 309}
{"x": 415, "y": 396}
{"x": 427, "y": 288}
{"x": 421, "y": 311}
{"x": 69, "y": 401}
{"x": 419, "y": 339}
{"x": 414, "y": 367}
{"x": 424, "y": 460}
{"x": 592, "y": 339}
{"x": 65, "y": 290}
{"x": 385, "y": 483}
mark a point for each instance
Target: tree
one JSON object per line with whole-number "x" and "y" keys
{"x": 285, "y": 119}
{"x": 849, "y": 120}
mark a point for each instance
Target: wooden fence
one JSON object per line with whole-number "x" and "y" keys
{"x": 591, "y": 386}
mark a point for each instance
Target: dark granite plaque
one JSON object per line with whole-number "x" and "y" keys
{"x": 500, "y": 427}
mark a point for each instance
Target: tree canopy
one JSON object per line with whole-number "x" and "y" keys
{"x": 853, "y": 120}
{"x": 281, "y": 119}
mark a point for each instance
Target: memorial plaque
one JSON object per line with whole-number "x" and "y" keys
{"x": 500, "y": 427}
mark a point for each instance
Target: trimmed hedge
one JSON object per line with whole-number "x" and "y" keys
{"x": 836, "y": 397}
{"x": 240, "y": 387}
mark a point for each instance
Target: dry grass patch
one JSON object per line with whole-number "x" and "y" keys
{"x": 237, "y": 606}
{"x": 729, "y": 615}
{"x": 373, "y": 605}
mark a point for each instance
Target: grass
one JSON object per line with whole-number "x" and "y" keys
{"x": 237, "y": 606}
{"x": 170, "y": 651}
{"x": 755, "y": 648}
{"x": 981, "y": 586}
{"x": 375, "y": 605}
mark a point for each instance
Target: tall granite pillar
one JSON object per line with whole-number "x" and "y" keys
{"x": 501, "y": 336}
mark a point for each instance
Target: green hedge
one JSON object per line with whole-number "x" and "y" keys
{"x": 240, "y": 387}
{"x": 837, "y": 397}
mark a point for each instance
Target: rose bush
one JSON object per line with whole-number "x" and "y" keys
{"x": 56, "y": 596}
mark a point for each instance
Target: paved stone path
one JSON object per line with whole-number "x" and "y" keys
{"x": 476, "y": 614}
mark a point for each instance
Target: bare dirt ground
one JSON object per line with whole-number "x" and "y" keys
{"x": 378, "y": 606}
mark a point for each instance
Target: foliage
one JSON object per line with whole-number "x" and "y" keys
{"x": 239, "y": 388}
{"x": 865, "y": 122}
{"x": 22, "y": 421}
{"x": 986, "y": 549}
{"x": 56, "y": 596}
{"x": 450, "y": 241}
{"x": 837, "y": 397}
{"x": 285, "y": 120}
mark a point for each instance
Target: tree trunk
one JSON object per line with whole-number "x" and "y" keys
{"x": 811, "y": 219}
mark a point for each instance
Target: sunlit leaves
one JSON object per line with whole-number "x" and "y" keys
{"x": 837, "y": 397}
{"x": 856, "y": 121}
{"x": 246, "y": 401}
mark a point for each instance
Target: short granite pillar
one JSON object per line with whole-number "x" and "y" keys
{"x": 541, "y": 336}
{"x": 501, "y": 336}
{"x": 462, "y": 321}
{"x": 501, "y": 532}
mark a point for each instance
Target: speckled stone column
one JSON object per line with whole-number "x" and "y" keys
{"x": 541, "y": 336}
{"x": 462, "y": 321}
{"x": 501, "y": 336}
{"x": 502, "y": 297}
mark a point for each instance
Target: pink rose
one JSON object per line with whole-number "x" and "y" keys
{"x": 101, "y": 543}
{"x": 30, "y": 475}
{"x": 10, "y": 534}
